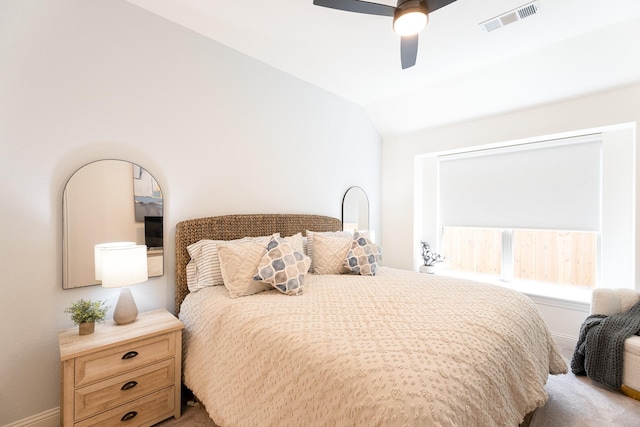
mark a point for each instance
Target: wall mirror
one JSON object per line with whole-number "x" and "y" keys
{"x": 109, "y": 201}
{"x": 355, "y": 209}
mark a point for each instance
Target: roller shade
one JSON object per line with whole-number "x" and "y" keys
{"x": 549, "y": 185}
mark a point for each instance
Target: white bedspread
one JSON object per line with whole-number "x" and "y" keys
{"x": 398, "y": 349}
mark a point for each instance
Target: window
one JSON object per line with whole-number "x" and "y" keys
{"x": 529, "y": 212}
{"x": 542, "y": 196}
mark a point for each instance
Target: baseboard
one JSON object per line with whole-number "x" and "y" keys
{"x": 580, "y": 306}
{"x": 564, "y": 341}
{"x": 50, "y": 418}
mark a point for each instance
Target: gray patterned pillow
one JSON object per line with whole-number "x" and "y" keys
{"x": 363, "y": 255}
{"x": 283, "y": 267}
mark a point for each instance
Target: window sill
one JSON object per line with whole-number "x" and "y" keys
{"x": 560, "y": 292}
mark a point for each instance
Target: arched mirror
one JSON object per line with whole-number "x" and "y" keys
{"x": 355, "y": 209}
{"x": 109, "y": 201}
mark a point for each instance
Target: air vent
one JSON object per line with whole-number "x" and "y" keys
{"x": 510, "y": 17}
{"x": 528, "y": 10}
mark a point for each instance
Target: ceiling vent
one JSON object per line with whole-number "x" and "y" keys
{"x": 510, "y": 17}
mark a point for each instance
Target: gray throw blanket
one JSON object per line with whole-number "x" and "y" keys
{"x": 598, "y": 353}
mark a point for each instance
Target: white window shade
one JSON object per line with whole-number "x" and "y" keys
{"x": 550, "y": 185}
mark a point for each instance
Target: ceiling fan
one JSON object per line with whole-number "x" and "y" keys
{"x": 409, "y": 18}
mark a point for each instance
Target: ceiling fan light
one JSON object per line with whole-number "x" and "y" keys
{"x": 410, "y": 18}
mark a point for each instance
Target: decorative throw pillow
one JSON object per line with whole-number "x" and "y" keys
{"x": 207, "y": 262}
{"x": 310, "y": 239}
{"x": 329, "y": 253}
{"x": 239, "y": 262}
{"x": 205, "y": 255}
{"x": 363, "y": 255}
{"x": 283, "y": 267}
{"x": 297, "y": 241}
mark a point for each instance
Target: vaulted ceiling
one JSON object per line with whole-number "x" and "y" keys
{"x": 568, "y": 48}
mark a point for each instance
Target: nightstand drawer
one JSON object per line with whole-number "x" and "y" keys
{"x": 114, "y": 361}
{"x": 98, "y": 397}
{"x": 145, "y": 411}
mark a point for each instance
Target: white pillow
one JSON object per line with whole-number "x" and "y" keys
{"x": 239, "y": 263}
{"x": 207, "y": 263}
{"x": 297, "y": 241}
{"x": 329, "y": 253}
{"x": 310, "y": 241}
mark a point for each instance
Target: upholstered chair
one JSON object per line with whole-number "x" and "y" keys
{"x": 614, "y": 301}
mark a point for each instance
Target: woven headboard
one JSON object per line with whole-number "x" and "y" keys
{"x": 230, "y": 227}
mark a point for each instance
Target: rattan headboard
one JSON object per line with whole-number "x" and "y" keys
{"x": 229, "y": 227}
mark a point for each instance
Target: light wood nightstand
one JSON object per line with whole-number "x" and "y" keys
{"x": 127, "y": 375}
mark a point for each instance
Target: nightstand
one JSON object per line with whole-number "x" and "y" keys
{"x": 127, "y": 375}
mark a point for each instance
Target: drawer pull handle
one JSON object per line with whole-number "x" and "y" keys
{"x": 128, "y": 416}
{"x": 129, "y": 385}
{"x": 130, "y": 355}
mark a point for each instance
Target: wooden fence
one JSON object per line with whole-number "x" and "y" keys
{"x": 563, "y": 257}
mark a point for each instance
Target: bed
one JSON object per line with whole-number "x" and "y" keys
{"x": 399, "y": 348}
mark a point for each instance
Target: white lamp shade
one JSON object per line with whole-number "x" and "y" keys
{"x": 123, "y": 265}
{"x": 97, "y": 254}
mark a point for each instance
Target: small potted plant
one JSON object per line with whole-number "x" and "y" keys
{"x": 86, "y": 313}
{"x": 429, "y": 258}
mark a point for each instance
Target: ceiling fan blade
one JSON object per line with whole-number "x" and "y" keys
{"x": 433, "y": 5}
{"x": 409, "y": 50}
{"x": 358, "y": 6}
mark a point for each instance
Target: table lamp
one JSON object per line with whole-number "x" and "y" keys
{"x": 120, "y": 265}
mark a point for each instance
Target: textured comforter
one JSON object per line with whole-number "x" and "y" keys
{"x": 397, "y": 349}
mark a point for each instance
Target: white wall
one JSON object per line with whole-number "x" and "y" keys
{"x": 222, "y": 133}
{"x": 401, "y": 158}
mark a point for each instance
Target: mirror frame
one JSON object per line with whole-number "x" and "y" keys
{"x": 91, "y": 188}
{"x": 356, "y": 192}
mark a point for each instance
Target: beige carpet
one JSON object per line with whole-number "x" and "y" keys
{"x": 579, "y": 402}
{"x": 573, "y": 402}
